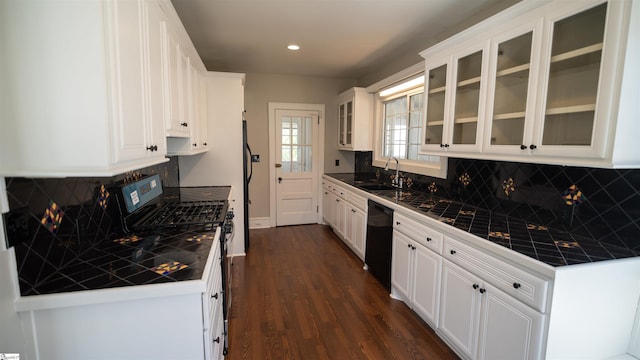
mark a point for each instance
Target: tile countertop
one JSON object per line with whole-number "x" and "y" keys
{"x": 550, "y": 246}
{"x": 163, "y": 255}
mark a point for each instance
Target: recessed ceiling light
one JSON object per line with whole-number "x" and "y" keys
{"x": 293, "y": 47}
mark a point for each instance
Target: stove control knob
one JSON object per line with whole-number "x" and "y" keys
{"x": 230, "y": 215}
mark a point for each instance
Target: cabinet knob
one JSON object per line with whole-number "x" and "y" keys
{"x": 475, "y": 286}
{"x": 522, "y": 147}
{"x": 152, "y": 148}
{"x": 397, "y": 222}
{"x": 205, "y": 144}
{"x": 428, "y": 239}
{"x": 516, "y": 285}
{"x": 441, "y": 145}
{"x": 532, "y": 147}
{"x": 184, "y": 124}
{"x": 446, "y": 145}
{"x": 409, "y": 246}
{"x": 217, "y": 340}
{"x": 413, "y": 247}
{"x": 215, "y": 296}
{"x": 353, "y": 210}
{"x": 195, "y": 144}
{"x": 482, "y": 290}
{"x": 453, "y": 252}
{"x": 337, "y": 200}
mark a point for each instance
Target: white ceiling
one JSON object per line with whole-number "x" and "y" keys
{"x": 338, "y": 38}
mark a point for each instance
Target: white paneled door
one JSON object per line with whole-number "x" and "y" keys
{"x": 296, "y": 168}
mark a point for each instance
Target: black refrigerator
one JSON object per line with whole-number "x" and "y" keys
{"x": 247, "y": 171}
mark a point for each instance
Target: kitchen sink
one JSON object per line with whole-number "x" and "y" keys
{"x": 375, "y": 186}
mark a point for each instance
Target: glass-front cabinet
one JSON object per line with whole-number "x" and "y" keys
{"x": 512, "y": 86}
{"x": 572, "y": 66}
{"x": 454, "y": 105}
{"x": 561, "y": 86}
{"x": 355, "y": 120}
{"x": 435, "y": 86}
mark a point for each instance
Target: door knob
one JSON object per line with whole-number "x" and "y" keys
{"x": 279, "y": 180}
{"x": 278, "y": 165}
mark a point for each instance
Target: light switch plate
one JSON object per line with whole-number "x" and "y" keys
{"x": 255, "y": 158}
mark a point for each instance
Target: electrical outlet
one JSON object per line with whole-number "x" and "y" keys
{"x": 255, "y": 158}
{"x": 337, "y": 162}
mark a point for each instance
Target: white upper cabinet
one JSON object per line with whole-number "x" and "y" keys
{"x": 355, "y": 120}
{"x": 455, "y": 100}
{"x": 512, "y": 85}
{"x": 195, "y": 115}
{"x": 554, "y": 91}
{"x": 81, "y": 88}
{"x": 177, "y": 124}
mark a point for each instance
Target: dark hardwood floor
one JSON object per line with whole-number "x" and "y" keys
{"x": 300, "y": 293}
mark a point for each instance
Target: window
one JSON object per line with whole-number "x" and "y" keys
{"x": 403, "y": 125}
{"x": 399, "y": 128}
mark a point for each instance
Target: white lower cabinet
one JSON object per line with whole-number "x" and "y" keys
{"x": 345, "y": 212}
{"x": 482, "y": 322}
{"x": 415, "y": 276}
{"x": 356, "y": 229}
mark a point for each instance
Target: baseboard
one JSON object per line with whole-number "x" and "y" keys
{"x": 259, "y": 223}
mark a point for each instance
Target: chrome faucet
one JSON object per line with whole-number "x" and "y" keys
{"x": 397, "y": 181}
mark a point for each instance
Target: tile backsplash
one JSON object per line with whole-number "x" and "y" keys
{"x": 602, "y": 204}
{"x": 51, "y": 221}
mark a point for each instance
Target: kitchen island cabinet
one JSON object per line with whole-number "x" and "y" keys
{"x": 490, "y": 293}
{"x": 179, "y": 320}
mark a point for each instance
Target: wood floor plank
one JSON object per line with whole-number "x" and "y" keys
{"x": 300, "y": 293}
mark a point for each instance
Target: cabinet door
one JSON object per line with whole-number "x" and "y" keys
{"x": 342, "y": 124}
{"x": 508, "y": 328}
{"x": 339, "y": 216}
{"x": 571, "y": 67}
{"x": 402, "y": 264}
{"x": 460, "y": 308}
{"x": 512, "y": 89}
{"x": 466, "y": 118}
{"x": 176, "y": 124}
{"x": 158, "y": 95}
{"x": 436, "y": 103}
{"x": 328, "y": 205}
{"x": 348, "y": 133}
{"x": 359, "y": 234}
{"x": 426, "y": 283}
{"x": 128, "y": 90}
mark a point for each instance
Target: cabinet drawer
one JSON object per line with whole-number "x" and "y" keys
{"x": 518, "y": 283}
{"x": 338, "y": 191}
{"x": 418, "y": 232}
{"x": 357, "y": 200}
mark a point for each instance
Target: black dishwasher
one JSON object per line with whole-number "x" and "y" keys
{"x": 379, "y": 236}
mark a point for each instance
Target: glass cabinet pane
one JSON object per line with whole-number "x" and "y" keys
{"x": 511, "y": 90}
{"x": 574, "y": 71}
{"x": 349, "y": 122}
{"x": 467, "y": 97}
{"x": 435, "y": 105}
{"x": 341, "y": 128}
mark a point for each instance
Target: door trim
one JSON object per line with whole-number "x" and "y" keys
{"x": 272, "y": 152}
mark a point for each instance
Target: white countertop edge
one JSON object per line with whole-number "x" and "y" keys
{"x": 99, "y": 296}
{"x": 124, "y": 293}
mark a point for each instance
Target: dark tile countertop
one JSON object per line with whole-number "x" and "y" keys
{"x": 550, "y": 246}
{"x": 134, "y": 259}
{"x": 153, "y": 256}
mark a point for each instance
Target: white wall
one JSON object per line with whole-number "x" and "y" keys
{"x": 222, "y": 164}
{"x": 261, "y": 89}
